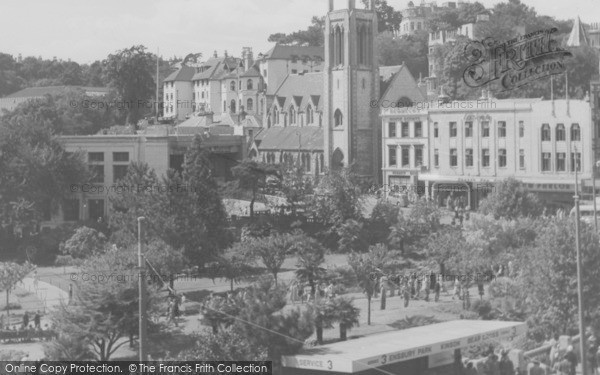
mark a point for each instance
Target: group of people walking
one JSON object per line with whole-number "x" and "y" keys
{"x": 303, "y": 292}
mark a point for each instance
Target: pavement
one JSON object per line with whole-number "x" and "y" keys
{"x": 43, "y": 297}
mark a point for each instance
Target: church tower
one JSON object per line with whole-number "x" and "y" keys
{"x": 351, "y": 79}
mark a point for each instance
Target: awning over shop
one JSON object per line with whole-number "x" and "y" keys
{"x": 382, "y": 349}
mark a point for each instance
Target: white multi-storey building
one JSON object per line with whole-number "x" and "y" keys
{"x": 472, "y": 144}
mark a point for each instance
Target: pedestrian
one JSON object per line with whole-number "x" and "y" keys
{"x": 25, "y": 320}
{"x": 293, "y": 292}
{"x": 300, "y": 292}
{"x": 591, "y": 357}
{"x": 564, "y": 367}
{"x": 470, "y": 369}
{"x": 456, "y": 289}
{"x": 70, "y": 292}
{"x": 467, "y": 213}
{"x": 437, "y": 288}
{"x": 36, "y": 319}
{"x": 536, "y": 369}
{"x": 406, "y": 294}
{"x": 35, "y": 279}
{"x": 425, "y": 288}
{"x": 572, "y": 358}
{"x": 506, "y": 365}
{"x": 480, "y": 287}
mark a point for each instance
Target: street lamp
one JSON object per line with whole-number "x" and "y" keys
{"x": 579, "y": 281}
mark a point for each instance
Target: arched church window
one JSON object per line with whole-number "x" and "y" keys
{"x": 338, "y": 118}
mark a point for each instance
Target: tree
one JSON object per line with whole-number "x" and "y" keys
{"x": 36, "y": 175}
{"x": 426, "y": 214}
{"x": 264, "y": 324}
{"x": 141, "y": 198}
{"x": 84, "y": 243}
{"x": 225, "y": 345}
{"x": 10, "y": 275}
{"x": 311, "y": 256}
{"x": 337, "y": 198}
{"x": 510, "y": 200}
{"x": 352, "y": 237}
{"x": 388, "y": 19}
{"x": 203, "y": 221}
{"x": 383, "y": 218}
{"x": 444, "y": 246}
{"x": 410, "y": 50}
{"x": 220, "y": 312}
{"x": 365, "y": 269}
{"x": 312, "y": 36}
{"x": 295, "y": 186}
{"x": 346, "y": 314}
{"x": 324, "y": 315}
{"x": 234, "y": 265}
{"x": 548, "y": 275}
{"x": 272, "y": 250}
{"x": 165, "y": 261}
{"x": 130, "y": 71}
{"x": 70, "y": 112}
{"x": 102, "y": 313}
{"x": 252, "y": 176}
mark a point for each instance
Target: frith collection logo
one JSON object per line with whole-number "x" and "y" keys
{"x": 515, "y": 62}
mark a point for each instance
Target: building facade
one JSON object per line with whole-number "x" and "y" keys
{"x": 472, "y": 144}
{"x": 109, "y": 156}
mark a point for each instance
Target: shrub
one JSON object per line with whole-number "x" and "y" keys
{"x": 483, "y": 308}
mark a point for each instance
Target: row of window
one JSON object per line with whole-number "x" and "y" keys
{"x": 485, "y": 158}
{"x": 560, "y": 133}
{"x": 546, "y": 166}
{"x": 412, "y": 26}
{"x": 168, "y": 97}
{"x": 404, "y": 156}
{"x": 288, "y": 158}
{"x": 293, "y": 117}
{"x": 560, "y": 162}
{"x": 249, "y": 85}
{"x": 233, "y": 106}
{"x": 575, "y": 131}
{"x": 405, "y": 129}
{"x": 96, "y": 166}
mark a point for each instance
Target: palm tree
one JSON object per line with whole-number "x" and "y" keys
{"x": 346, "y": 314}
{"x": 311, "y": 255}
{"x": 324, "y": 314}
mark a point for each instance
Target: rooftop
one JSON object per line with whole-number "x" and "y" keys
{"x": 284, "y": 52}
{"x": 375, "y": 350}
{"x": 290, "y": 138}
{"x": 185, "y": 73}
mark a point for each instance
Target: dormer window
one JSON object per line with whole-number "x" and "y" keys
{"x": 232, "y": 86}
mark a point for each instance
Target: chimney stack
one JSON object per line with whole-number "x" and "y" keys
{"x": 225, "y": 53}
{"x": 248, "y": 57}
{"x": 330, "y": 5}
{"x": 215, "y": 54}
{"x": 351, "y": 4}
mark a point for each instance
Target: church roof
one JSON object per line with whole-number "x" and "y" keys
{"x": 287, "y": 138}
{"x": 299, "y": 88}
{"x": 578, "y": 36}
{"x": 283, "y": 52}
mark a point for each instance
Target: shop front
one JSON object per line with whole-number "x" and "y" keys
{"x": 427, "y": 350}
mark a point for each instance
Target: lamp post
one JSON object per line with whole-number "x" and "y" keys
{"x": 579, "y": 281}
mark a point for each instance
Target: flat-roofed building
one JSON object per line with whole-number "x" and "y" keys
{"x": 472, "y": 144}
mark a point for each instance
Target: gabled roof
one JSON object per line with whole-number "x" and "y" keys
{"x": 185, "y": 73}
{"x": 283, "y": 52}
{"x": 578, "y": 36}
{"x": 36, "y": 92}
{"x": 216, "y": 67}
{"x": 306, "y": 84}
{"x": 252, "y": 72}
{"x": 403, "y": 84}
{"x": 287, "y": 138}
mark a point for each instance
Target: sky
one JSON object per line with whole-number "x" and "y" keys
{"x": 85, "y": 31}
